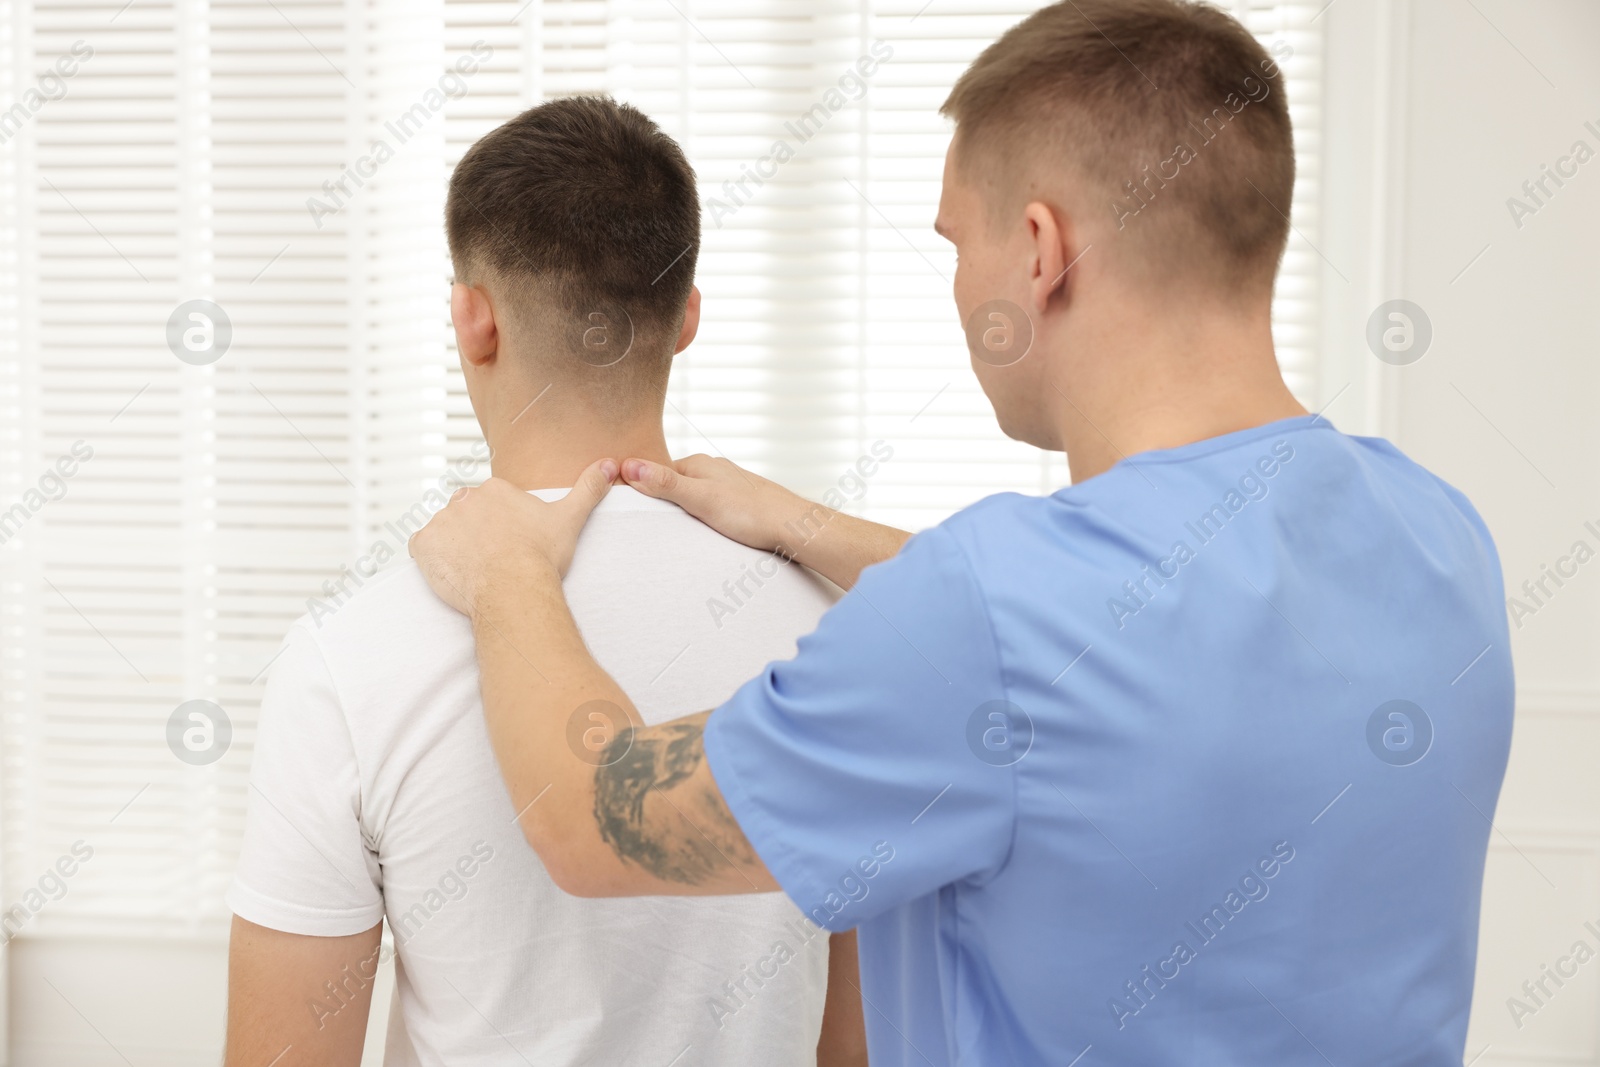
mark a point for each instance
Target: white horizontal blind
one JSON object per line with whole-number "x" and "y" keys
{"x": 103, "y": 583}
{"x": 184, "y": 161}
{"x": 230, "y": 150}
{"x": 917, "y": 391}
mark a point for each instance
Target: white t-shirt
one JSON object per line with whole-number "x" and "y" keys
{"x": 374, "y": 792}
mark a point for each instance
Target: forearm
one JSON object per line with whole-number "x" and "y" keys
{"x": 758, "y": 512}
{"x": 838, "y": 546}
{"x": 535, "y": 675}
{"x": 612, "y": 807}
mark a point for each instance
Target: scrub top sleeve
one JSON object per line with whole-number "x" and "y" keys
{"x": 863, "y": 771}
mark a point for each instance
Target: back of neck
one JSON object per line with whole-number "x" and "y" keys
{"x": 550, "y": 452}
{"x": 1160, "y": 388}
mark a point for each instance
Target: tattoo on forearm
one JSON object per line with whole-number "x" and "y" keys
{"x": 649, "y": 814}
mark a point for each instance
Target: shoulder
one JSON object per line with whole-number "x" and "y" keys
{"x": 395, "y": 601}
{"x": 1411, "y": 483}
{"x": 388, "y": 630}
{"x": 952, "y": 570}
{"x": 996, "y": 515}
{"x": 1004, "y": 536}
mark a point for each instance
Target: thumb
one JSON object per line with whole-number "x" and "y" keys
{"x": 592, "y": 486}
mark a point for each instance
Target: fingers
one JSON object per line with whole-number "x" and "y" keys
{"x": 591, "y": 488}
{"x": 435, "y": 528}
{"x": 653, "y": 479}
{"x": 430, "y": 547}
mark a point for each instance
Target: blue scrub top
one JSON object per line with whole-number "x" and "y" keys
{"x": 1192, "y": 763}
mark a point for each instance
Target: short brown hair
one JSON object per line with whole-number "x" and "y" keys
{"x": 1130, "y": 94}
{"x": 577, "y": 206}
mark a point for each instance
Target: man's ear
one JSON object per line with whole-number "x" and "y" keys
{"x": 1053, "y": 253}
{"x": 691, "y": 321}
{"x": 477, "y": 336}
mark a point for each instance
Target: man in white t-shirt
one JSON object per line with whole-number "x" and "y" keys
{"x": 374, "y": 791}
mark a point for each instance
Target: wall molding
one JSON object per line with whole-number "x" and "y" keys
{"x": 1557, "y": 701}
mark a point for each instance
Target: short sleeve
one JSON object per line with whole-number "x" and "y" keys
{"x": 304, "y": 867}
{"x": 858, "y": 769}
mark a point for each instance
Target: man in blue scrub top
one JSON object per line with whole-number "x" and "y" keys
{"x": 1192, "y": 762}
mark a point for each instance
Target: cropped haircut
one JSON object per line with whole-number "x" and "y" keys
{"x": 583, "y": 215}
{"x": 1166, "y": 114}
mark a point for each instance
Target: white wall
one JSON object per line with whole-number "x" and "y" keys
{"x": 1460, "y": 103}
{"x": 80, "y": 1003}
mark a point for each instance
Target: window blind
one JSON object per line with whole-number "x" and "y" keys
{"x": 285, "y": 160}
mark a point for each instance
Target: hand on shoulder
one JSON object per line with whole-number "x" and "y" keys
{"x": 494, "y": 531}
